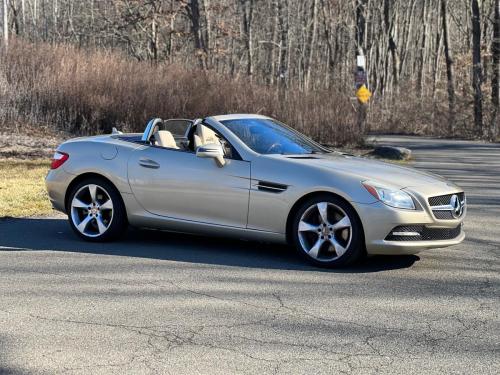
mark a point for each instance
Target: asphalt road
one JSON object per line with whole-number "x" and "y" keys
{"x": 166, "y": 303}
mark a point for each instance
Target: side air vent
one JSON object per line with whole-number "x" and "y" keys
{"x": 271, "y": 187}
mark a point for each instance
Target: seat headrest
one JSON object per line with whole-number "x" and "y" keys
{"x": 206, "y": 135}
{"x": 164, "y": 138}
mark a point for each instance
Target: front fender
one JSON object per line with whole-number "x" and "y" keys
{"x": 268, "y": 210}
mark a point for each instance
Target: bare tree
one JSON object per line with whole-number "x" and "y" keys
{"x": 247, "y": 26}
{"x": 311, "y": 43}
{"x": 5, "y": 23}
{"x": 423, "y": 49}
{"x": 495, "y": 81}
{"x": 389, "y": 20}
{"x": 477, "y": 75}
{"x": 449, "y": 67}
{"x": 284, "y": 37}
{"x": 413, "y": 47}
{"x": 23, "y": 12}
{"x": 193, "y": 9}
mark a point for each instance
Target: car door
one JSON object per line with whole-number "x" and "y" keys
{"x": 178, "y": 184}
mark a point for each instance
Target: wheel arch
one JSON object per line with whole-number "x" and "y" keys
{"x": 85, "y": 176}
{"x": 296, "y": 206}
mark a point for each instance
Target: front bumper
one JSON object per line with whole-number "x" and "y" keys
{"x": 383, "y": 247}
{"x": 380, "y": 220}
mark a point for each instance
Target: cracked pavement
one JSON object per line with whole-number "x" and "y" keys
{"x": 170, "y": 303}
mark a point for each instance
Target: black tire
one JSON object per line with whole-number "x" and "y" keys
{"x": 354, "y": 252}
{"x": 117, "y": 224}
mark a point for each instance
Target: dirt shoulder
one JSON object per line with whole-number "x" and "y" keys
{"x": 28, "y": 146}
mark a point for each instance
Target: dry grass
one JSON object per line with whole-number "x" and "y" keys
{"x": 22, "y": 188}
{"x": 89, "y": 92}
{"x": 82, "y": 92}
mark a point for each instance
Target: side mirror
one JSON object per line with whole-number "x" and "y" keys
{"x": 213, "y": 151}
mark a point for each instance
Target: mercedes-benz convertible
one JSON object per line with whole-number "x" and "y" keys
{"x": 252, "y": 177}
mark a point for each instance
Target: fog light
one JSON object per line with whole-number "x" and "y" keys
{"x": 407, "y": 234}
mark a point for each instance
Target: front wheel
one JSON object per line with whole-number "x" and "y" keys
{"x": 327, "y": 232}
{"x": 96, "y": 211}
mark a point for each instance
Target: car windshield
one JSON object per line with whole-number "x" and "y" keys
{"x": 268, "y": 136}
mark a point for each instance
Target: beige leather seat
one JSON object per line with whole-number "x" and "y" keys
{"x": 205, "y": 136}
{"x": 164, "y": 138}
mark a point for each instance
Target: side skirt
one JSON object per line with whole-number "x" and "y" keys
{"x": 137, "y": 217}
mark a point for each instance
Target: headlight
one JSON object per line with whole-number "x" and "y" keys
{"x": 393, "y": 198}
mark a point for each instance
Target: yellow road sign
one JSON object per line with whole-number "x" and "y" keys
{"x": 363, "y": 94}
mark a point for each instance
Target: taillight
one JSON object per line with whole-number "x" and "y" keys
{"x": 58, "y": 159}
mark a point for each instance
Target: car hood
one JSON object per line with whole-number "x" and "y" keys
{"x": 368, "y": 169}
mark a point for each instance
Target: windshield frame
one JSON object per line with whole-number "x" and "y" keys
{"x": 320, "y": 149}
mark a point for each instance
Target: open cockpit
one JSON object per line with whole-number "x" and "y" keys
{"x": 177, "y": 134}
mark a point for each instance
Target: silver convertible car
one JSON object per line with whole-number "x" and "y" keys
{"x": 252, "y": 177}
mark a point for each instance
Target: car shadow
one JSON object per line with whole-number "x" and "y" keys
{"x": 50, "y": 234}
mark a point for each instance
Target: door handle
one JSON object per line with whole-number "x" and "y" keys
{"x": 148, "y": 163}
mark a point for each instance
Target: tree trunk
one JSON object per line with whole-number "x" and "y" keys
{"x": 23, "y": 11}
{"x": 495, "y": 81}
{"x": 389, "y": 25}
{"x": 15, "y": 19}
{"x": 408, "y": 37}
{"x": 208, "y": 29}
{"x": 449, "y": 68}
{"x": 34, "y": 15}
{"x": 477, "y": 75}
{"x": 194, "y": 15}
{"x": 171, "y": 31}
{"x": 284, "y": 48}
{"x": 5, "y": 24}
{"x": 360, "y": 25}
{"x": 271, "y": 47}
{"x": 436, "y": 62}
{"x": 423, "y": 50}
{"x": 55, "y": 19}
{"x": 360, "y": 38}
{"x": 248, "y": 34}
{"x": 154, "y": 40}
{"x": 311, "y": 41}
{"x": 330, "y": 36}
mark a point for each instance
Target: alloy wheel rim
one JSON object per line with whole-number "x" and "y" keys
{"x": 325, "y": 231}
{"x": 92, "y": 210}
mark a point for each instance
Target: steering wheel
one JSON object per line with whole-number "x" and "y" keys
{"x": 276, "y": 147}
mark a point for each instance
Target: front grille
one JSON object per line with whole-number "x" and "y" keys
{"x": 425, "y": 234}
{"x": 444, "y": 199}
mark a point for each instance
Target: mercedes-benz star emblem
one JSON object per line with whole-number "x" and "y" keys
{"x": 457, "y": 206}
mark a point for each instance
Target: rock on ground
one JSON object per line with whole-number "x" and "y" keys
{"x": 392, "y": 152}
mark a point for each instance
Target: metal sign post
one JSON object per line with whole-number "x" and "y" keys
{"x": 362, "y": 92}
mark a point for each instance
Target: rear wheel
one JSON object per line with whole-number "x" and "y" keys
{"x": 96, "y": 211}
{"x": 327, "y": 232}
